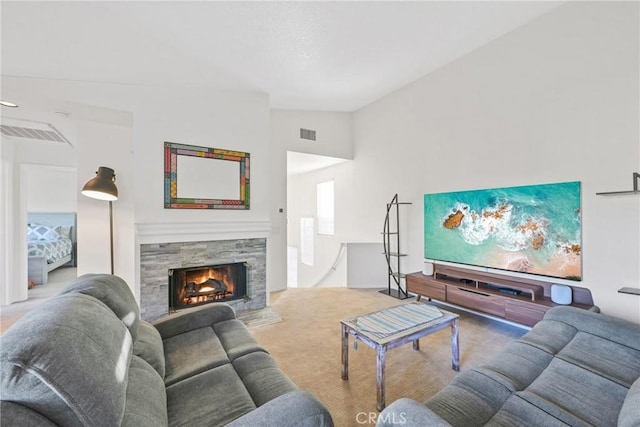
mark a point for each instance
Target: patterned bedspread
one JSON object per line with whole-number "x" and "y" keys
{"x": 52, "y": 250}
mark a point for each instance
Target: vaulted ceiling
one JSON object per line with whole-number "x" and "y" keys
{"x": 337, "y": 56}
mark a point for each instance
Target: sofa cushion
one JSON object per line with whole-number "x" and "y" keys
{"x": 294, "y": 409}
{"x": 630, "y": 412}
{"x": 517, "y": 366}
{"x": 262, "y": 378}
{"x": 602, "y": 356}
{"x": 407, "y": 412}
{"x": 22, "y": 416}
{"x": 573, "y": 394}
{"x": 471, "y": 399}
{"x": 148, "y": 346}
{"x": 235, "y": 338}
{"x": 114, "y": 292}
{"x": 549, "y": 335}
{"x": 598, "y": 324}
{"x": 68, "y": 362}
{"x": 212, "y": 398}
{"x": 146, "y": 397}
{"x": 192, "y": 352}
{"x": 194, "y": 318}
{"x": 517, "y": 412}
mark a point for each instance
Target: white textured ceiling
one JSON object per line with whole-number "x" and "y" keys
{"x": 337, "y": 56}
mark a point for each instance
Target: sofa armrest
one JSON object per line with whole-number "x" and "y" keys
{"x": 629, "y": 414}
{"x": 408, "y": 412}
{"x": 193, "y": 318}
{"x": 294, "y": 409}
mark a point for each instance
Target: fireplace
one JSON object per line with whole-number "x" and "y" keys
{"x": 193, "y": 286}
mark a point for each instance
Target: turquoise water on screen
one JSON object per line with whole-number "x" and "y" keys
{"x": 528, "y": 228}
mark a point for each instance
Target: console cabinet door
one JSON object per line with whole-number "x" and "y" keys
{"x": 526, "y": 314}
{"x": 426, "y": 288}
{"x": 476, "y": 300}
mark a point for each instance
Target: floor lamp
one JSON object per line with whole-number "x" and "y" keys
{"x": 103, "y": 187}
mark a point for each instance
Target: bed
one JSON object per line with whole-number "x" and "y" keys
{"x": 51, "y": 243}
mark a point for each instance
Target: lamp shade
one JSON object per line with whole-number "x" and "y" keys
{"x": 102, "y": 186}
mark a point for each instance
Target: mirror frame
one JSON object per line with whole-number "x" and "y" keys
{"x": 171, "y": 200}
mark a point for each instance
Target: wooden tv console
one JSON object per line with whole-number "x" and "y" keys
{"x": 519, "y": 300}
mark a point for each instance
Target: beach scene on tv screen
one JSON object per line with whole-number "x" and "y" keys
{"x": 532, "y": 229}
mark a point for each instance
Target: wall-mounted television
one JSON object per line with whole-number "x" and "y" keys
{"x": 532, "y": 229}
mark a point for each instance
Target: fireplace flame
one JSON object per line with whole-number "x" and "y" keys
{"x": 202, "y": 285}
{"x": 208, "y": 284}
{"x": 200, "y": 277}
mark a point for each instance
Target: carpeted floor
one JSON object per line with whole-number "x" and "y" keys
{"x": 306, "y": 345}
{"x": 258, "y": 318}
{"x": 58, "y": 279}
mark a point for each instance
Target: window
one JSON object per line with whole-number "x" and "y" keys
{"x": 325, "y": 208}
{"x": 306, "y": 241}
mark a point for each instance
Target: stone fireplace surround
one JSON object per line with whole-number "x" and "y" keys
{"x": 157, "y": 258}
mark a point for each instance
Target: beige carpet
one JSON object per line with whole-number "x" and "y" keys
{"x": 58, "y": 279}
{"x": 306, "y": 345}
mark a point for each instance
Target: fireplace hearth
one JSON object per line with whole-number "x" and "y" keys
{"x": 193, "y": 286}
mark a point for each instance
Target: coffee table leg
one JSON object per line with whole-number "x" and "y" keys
{"x": 416, "y": 344}
{"x": 345, "y": 353}
{"x": 380, "y": 362}
{"x": 455, "y": 346}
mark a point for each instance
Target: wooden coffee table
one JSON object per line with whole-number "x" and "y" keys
{"x": 393, "y": 327}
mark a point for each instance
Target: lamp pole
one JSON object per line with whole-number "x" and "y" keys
{"x": 111, "y": 232}
{"x": 103, "y": 187}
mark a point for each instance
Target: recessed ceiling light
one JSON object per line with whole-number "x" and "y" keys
{"x": 8, "y": 104}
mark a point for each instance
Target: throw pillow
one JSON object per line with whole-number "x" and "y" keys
{"x": 41, "y": 232}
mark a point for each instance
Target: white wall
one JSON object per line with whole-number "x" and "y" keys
{"x": 555, "y": 100}
{"x": 13, "y": 245}
{"x": 334, "y": 132}
{"x": 231, "y": 120}
{"x": 334, "y": 139}
{"x": 367, "y": 266}
{"x": 52, "y": 189}
{"x": 106, "y": 145}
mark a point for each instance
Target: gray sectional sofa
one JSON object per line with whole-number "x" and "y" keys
{"x": 85, "y": 358}
{"x": 575, "y": 367}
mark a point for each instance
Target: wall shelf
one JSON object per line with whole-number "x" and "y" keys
{"x": 636, "y": 178}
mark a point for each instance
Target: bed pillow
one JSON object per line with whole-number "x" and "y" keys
{"x": 41, "y": 232}
{"x": 63, "y": 231}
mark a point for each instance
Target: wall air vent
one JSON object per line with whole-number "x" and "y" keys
{"x": 31, "y": 130}
{"x": 308, "y": 134}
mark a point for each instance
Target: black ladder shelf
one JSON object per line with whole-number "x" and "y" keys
{"x": 392, "y": 251}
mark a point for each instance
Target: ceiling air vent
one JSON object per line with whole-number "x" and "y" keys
{"x": 31, "y": 130}
{"x": 308, "y": 134}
